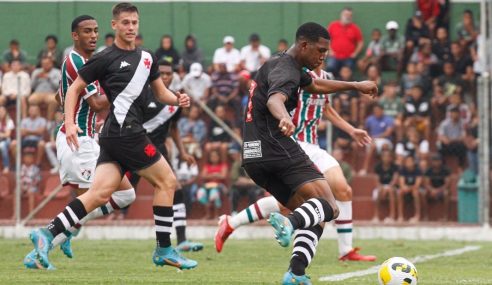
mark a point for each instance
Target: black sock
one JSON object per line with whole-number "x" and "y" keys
{"x": 310, "y": 213}
{"x": 304, "y": 250}
{"x": 70, "y": 216}
{"x": 163, "y": 217}
{"x": 179, "y": 221}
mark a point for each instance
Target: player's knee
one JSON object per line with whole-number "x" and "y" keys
{"x": 335, "y": 209}
{"x": 346, "y": 193}
{"x": 168, "y": 184}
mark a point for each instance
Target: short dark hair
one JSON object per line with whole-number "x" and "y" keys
{"x": 79, "y": 19}
{"x": 164, "y": 62}
{"x": 123, "y": 7}
{"x": 109, "y": 35}
{"x": 284, "y": 41}
{"x": 254, "y": 37}
{"x": 468, "y": 11}
{"x": 51, "y": 37}
{"x": 455, "y": 109}
{"x": 311, "y": 32}
{"x": 14, "y": 42}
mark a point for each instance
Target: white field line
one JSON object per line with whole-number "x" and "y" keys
{"x": 417, "y": 259}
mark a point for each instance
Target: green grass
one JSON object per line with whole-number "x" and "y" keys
{"x": 241, "y": 262}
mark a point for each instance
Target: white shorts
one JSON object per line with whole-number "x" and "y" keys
{"x": 321, "y": 158}
{"x": 77, "y": 167}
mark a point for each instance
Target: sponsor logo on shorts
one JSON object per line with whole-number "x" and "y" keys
{"x": 150, "y": 150}
{"x": 252, "y": 149}
{"x": 86, "y": 174}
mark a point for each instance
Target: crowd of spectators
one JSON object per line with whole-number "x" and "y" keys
{"x": 426, "y": 111}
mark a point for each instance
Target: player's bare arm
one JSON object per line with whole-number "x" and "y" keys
{"x": 167, "y": 97}
{"x": 275, "y": 105}
{"x": 183, "y": 154}
{"x": 71, "y": 129}
{"x": 359, "y": 135}
{"x": 98, "y": 102}
{"x": 324, "y": 86}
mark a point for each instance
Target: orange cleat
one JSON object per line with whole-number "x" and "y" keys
{"x": 353, "y": 255}
{"x": 223, "y": 232}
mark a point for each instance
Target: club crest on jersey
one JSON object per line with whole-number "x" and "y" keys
{"x": 147, "y": 63}
{"x": 124, "y": 64}
{"x": 150, "y": 150}
{"x": 152, "y": 105}
{"x": 86, "y": 173}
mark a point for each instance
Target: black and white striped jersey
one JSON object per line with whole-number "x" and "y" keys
{"x": 125, "y": 76}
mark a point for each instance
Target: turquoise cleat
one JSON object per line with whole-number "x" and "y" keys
{"x": 66, "y": 247}
{"x": 31, "y": 262}
{"x": 292, "y": 279}
{"x": 169, "y": 256}
{"x": 283, "y": 228}
{"x": 189, "y": 246}
{"x": 41, "y": 239}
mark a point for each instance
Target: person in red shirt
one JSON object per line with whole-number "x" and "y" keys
{"x": 346, "y": 42}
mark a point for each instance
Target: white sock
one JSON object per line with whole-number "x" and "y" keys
{"x": 344, "y": 227}
{"x": 259, "y": 210}
{"x": 118, "y": 200}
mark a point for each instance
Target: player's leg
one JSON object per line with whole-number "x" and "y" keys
{"x": 161, "y": 176}
{"x": 179, "y": 223}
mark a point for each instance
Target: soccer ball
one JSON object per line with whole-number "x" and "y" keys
{"x": 397, "y": 271}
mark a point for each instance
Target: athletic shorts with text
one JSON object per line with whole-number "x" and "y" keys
{"x": 283, "y": 177}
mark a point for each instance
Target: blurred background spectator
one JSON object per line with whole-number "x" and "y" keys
{"x": 228, "y": 55}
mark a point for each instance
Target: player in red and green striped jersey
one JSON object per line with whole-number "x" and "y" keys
{"x": 306, "y": 117}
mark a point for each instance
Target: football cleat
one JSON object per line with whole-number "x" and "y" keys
{"x": 41, "y": 239}
{"x": 66, "y": 247}
{"x": 292, "y": 279}
{"x": 31, "y": 262}
{"x": 189, "y": 246}
{"x": 169, "y": 256}
{"x": 283, "y": 228}
{"x": 223, "y": 232}
{"x": 353, "y": 255}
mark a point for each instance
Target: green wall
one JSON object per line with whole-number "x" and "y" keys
{"x": 31, "y": 22}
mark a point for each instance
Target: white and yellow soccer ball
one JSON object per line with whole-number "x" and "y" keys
{"x": 397, "y": 271}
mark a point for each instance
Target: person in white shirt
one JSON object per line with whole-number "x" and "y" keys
{"x": 16, "y": 82}
{"x": 197, "y": 83}
{"x": 228, "y": 55}
{"x": 254, "y": 55}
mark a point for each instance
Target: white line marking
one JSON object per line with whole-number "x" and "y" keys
{"x": 417, "y": 259}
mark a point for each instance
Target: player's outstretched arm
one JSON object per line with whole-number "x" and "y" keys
{"x": 167, "y": 97}
{"x": 324, "y": 86}
{"x": 275, "y": 105}
{"x": 184, "y": 155}
{"x": 360, "y": 136}
{"x": 71, "y": 129}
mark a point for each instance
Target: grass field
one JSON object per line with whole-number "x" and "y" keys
{"x": 241, "y": 262}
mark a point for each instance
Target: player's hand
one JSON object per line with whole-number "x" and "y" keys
{"x": 183, "y": 100}
{"x": 71, "y": 133}
{"x": 286, "y": 127}
{"x": 368, "y": 87}
{"x": 361, "y": 137}
{"x": 190, "y": 160}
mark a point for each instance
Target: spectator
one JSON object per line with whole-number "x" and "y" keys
{"x": 417, "y": 112}
{"x": 346, "y": 42}
{"x": 15, "y": 82}
{"x": 430, "y": 11}
{"x": 392, "y": 106}
{"x": 192, "y": 130}
{"x": 167, "y": 52}
{"x": 425, "y": 56}
{"x": 13, "y": 53}
{"x": 365, "y": 102}
{"x": 373, "y": 52}
{"x": 33, "y": 130}
{"x": 213, "y": 177}
{"x": 50, "y": 146}
{"x": 219, "y": 138}
{"x": 441, "y": 45}
{"x": 282, "y": 45}
{"x": 227, "y": 55}
{"x": 461, "y": 60}
{"x": 467, "y": 29}
{"x": 471, "y": 142}
{"x": 412, "y": 145}
{"x": 139, "y": 40}
{"x": 387, "y": 172}
{"x": 451, "y": 137}
{"x": 346, "y": 168}
{"x": 108, "y": 41}
{"x": 348, "y": 100}
{"x": 416, "y": 29}
{"x": 51, "y": 50}
{"x": 191, "y": 53}
{"x": 225, "y": 88}
{"x": 341, "y": 139}
{"x": 6, "y": 128}
{"x": 407, "y": 54}
{"x": 242, "y": 185}
{"x": 455, "y": 101}
{"x": 254, "y": 55}
{"x": 392, "y": 46}
{"x": 187, "y": 176}
{"x": 410, "y": 79}
{"x": 436, "y": 185}
{"x": 380, "y": 127}
{"x": 197, "y": 83}
{"x": 44, "y": 84}
{"x": 410, "y": 183}
{"x": 30, "y": 178}
{"x": 444, "y": 87}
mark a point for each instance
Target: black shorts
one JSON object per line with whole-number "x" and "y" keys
{"x": 133, "y": 176}
{"x": 131, "y": 153}
{"x": 283, "y": 177}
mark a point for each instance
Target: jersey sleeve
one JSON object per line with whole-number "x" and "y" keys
{"x": 78, "y": 63}
{"x": 283, "y": 79}
{"x": 154, "y": 68}
{"x": 306, "y": 79}
{"x": 95, "y": 68}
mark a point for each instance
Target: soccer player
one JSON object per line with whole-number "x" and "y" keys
{"x": 306, "y": 117}
{"x": 125, "y": 72}
{"x": 275, "y": 161}
{"x": 77, "y": 168}
{"x": 160, "y": 121}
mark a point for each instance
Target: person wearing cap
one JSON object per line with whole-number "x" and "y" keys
{"x": 436, "y": 185}
{"x": 197, "y": 83}
{"x": 227, "y": 55}
{"x": 254, "y": 55}
{"x": 392, "y": 46}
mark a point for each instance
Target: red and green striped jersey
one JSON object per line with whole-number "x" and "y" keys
{"x": 85, "y": 117}
{"x": 309, "y": 111}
